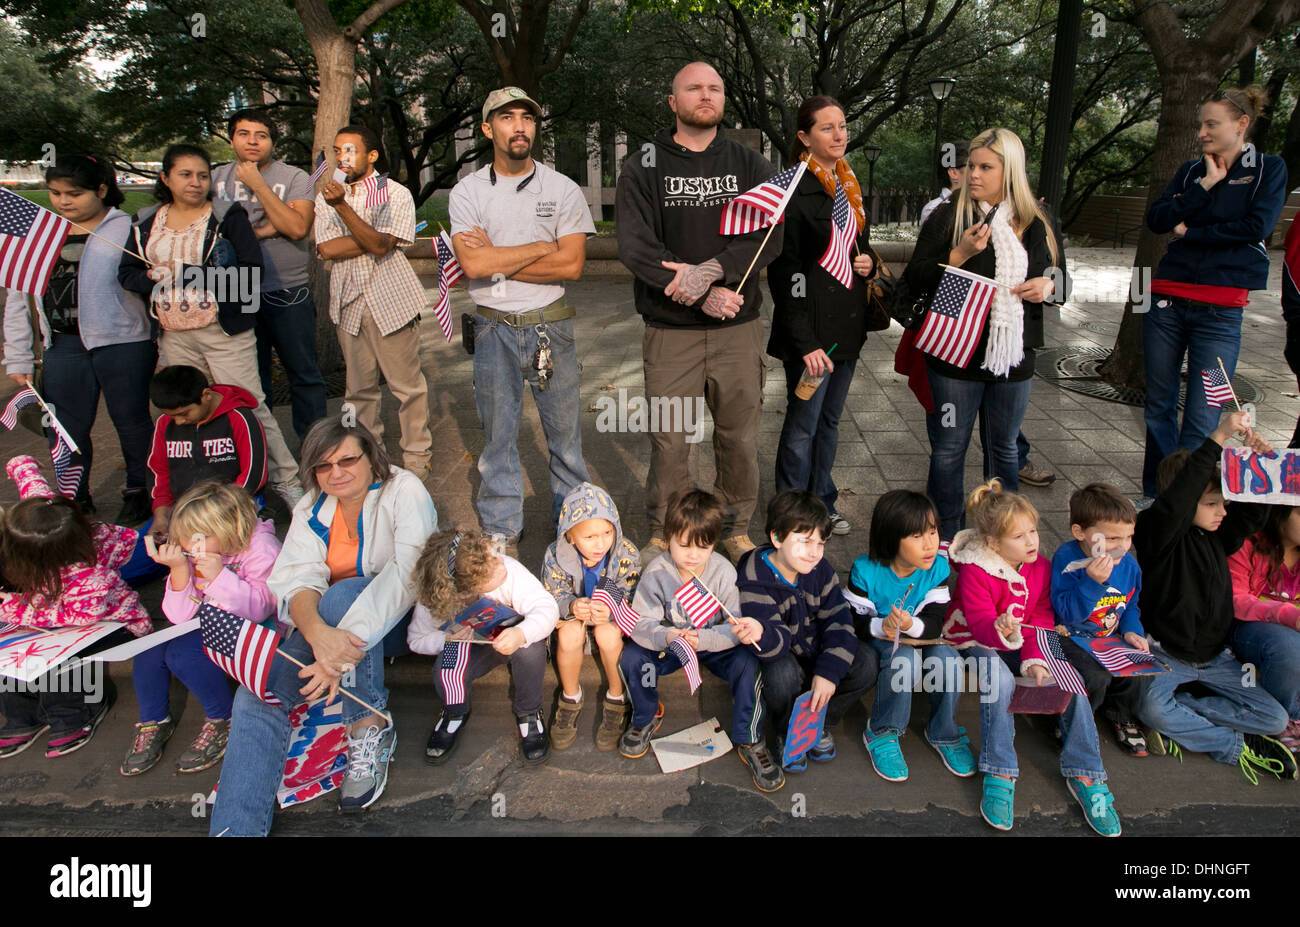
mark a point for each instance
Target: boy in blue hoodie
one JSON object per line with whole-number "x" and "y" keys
{"x": 797, "y": 620}
{"x": 589, "y": 547}
{"x": 1100, "y": 599}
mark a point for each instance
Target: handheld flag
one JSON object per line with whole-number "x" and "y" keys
{"x": 1217, "y": 390}
{"x": 319, "y": 171}
{"x": 762, "y": 206}
{"x": 699, "y": 604}
{"x": 1066, "y": 676}
{"x": 956, "y": 318}
{"x": 836, "y": 261}
{"x": 242, "y": 649}
{"x": 449, "y": 272}
{"x": 690, "y": 663}
{"x": 607, "y": 594}
{"x": 451, "y": 671}
{"x": 1122, "y": 660}
{"x": 376, "y": 187}
{"x": 21, "y": 400}
{"x": 66, "y": 478}
{"x": 30, "y": 241}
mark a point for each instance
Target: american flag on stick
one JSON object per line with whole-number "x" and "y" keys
{"x": 452, "y": 670}
{"x": 699, "y": 604}
{"x": 66, "y": 478}
{"x": 21, "y": 400}
{"x": 1066, "y": 676}
{"x": 30, "y": 241}
{"x": 762, "y": 206}
{"x": 608, "y": 594}
{"x": 1117, "y": 657}
{"x": 449, "y": 272}
{"x": 837, "y": 260}
{"x": 319, "y": 171}
{"x": 376, "y": 187}
{"x": 956, "y": 318}
{"x": 244, "y": 650}
{"x": 1217, "y": 389}
{"x": 690, "y": 662}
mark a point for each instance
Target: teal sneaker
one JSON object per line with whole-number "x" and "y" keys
{"x": 886, "y": 756}
{"x": 998, "y": 806}
{"x": 957, "y": 757}
{"x": 1098, "y": 805}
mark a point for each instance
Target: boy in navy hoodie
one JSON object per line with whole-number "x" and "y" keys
{"x": 1100, "y": 599}
{"x": 205, "y": 433}
{"x": 796, "y": 619}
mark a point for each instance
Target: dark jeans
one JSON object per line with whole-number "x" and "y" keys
{"x": 1117, "y": 697}
{"x": 527, "y": 669}
{"x": 738, "y": 665}
{"x": 1292, "y": 354}
{"x": 183, "y": 656}
{"x": 74, "y": 378}
{"x": 1022, "y": 449}
{"x": 287, "y": 322}
{"x": 64, "y": 712}
{"x": 810, "y": 434}
{"x": 788, "y": 677}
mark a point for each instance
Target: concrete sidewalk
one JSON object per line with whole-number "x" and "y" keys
{"x": 882, "y": 446}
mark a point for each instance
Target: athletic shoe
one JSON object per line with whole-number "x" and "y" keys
{"x": 1268, "y": 754}
{"x": 368, "y": 759}
{"x": 1036, "y": 476}
{"x": 208, "y": 748}
{"x": 957, "y": 757}
{"x": 565, "y": 730}
{"x": 136, "y": 508}
{"x": 13, "y": 743}
{"x": 737, "y": 546}
{"x": 886, "y": 756}
{"x": 147, "y": 746}
{"x": 824, "y": 749}
{"x": 1098, "y": 805}
{"x": 1290, "y": 737}
{"x": 71, "y": 742}
{"x": 998, "y": 806}
{"x": 1130, "y": 737}
{"x": 840, "y": 524}
{"x": 290, "y": 491}
{"x": 796, "y": 766}
{"x": 442, "y": 742}
{"x": 767, "y": 775}
{"x": 612, "y": 718}
{"x": 1160, "y": 745}
{"x": 635, "y": 741}
{"x": 534, "y": 742}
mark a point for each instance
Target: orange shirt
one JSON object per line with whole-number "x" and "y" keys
{"x": 342, "y": 553}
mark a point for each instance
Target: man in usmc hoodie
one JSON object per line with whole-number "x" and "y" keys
{"x": 702, "y": 337}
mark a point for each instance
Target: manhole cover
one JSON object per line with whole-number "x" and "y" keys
{"x": 1101, "y": 328}
{"x": 1074, "y": 367}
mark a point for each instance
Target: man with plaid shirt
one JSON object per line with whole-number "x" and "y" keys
{"x": 375, "y": 297}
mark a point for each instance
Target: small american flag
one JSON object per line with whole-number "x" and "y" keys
{"x": 607, "y": 594}
{"x": 30, "y": 241}
{"x": 1217, "y": 389}
{"x": 1066, "y": 676}
{"x": 1117, "y": 657}
{"x": 449, "y": 272}
{"x": 376, "y": 187}
{"x": 66, "y": 478}
{"x": 844, "y": 228}
{"x": 699, "y": 604}
{"x": 21, "y": 400}
{"x": 956, "y": 317}
{"x": 244, "y": 650}
{"x": 452, "y": 669}
{"x": 319, "y": 171}
{"x": 690, "y": 662}
{"x": 762, "y": 206}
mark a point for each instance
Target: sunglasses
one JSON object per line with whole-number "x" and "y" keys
{"x": 346, "y": 463}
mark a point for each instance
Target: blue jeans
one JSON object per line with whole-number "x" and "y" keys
{"x": 74, "y": 378}
{"x": 787, "y": 677}
{"x": 1022, "y": 449}
{"x": 1274, "y": 650}
{"x": 503, "y": 361}
{"x": 1213, "y": 724}
{"x": 1171, "y": 330}
{"x": 152, "y": 671}
{"x": 287, "y": 322}
{"x": 957, "y": 403}
{"x": 811, "y": 432}
{"x": 899, "y": 677}
{"x": 259, "y": 733}
{"x": 1080, "y": 751}
{"x": 738, "y": 665}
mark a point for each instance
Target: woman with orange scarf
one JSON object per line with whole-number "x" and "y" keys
{"x": 819, "y": 319}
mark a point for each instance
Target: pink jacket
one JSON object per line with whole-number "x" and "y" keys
{"x": 1254, "y": 598}
{"x": 240, "y": 588}
{"x": 985, "y": 587}
{"x": 94, "y": 592}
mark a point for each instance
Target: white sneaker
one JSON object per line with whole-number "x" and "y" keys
{"x": 290, "y": 491}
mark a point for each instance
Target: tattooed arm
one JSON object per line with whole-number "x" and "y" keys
{"x": 722, "y": 303}
{"x": 692, "y": 280}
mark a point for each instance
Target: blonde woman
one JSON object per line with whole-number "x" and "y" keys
{"x": 1015, "y": 246}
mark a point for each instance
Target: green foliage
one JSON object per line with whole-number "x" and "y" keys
{"x": 38, "y": 107}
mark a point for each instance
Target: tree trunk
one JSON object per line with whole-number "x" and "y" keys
{"x": 1291, "y": 146}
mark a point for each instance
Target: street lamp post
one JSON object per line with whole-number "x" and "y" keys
{"x": 871, "y": 152}
{"x": 940, "y": 87}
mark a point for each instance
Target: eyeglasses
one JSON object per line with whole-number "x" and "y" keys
{"x": 346, "y": 463}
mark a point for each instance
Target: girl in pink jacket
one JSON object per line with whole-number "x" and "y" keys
{"x": 59, "y": 570}
{"x": 1001, "y": 593}
{"x": 219, "y": 553}
{"x": 1265, "y": 591}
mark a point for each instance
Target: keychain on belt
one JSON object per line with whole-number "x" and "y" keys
{"x": 542, "y": 357}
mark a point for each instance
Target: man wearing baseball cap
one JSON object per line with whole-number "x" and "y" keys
{"x": 520, "y": 230}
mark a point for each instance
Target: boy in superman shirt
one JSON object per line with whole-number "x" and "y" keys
{"x": 1101, "y": 600}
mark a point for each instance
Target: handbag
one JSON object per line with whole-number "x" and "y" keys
{"x": 881, "y": 287}
{"x": 909, "y": 308}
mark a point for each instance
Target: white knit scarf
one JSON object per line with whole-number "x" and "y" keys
{"x": 1006, "y": 344}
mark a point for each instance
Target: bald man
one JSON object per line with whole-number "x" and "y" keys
{"x": 702, "y": 337}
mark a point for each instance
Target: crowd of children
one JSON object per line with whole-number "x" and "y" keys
{"x": 1122, "y": 618}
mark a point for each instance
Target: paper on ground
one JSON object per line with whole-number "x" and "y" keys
{"x": 695, "y": 745}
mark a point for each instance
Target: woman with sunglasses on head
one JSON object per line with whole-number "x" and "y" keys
{"x": 97, "y": 336}
{"x": 343, "y": 581}
{"x": 1218, "y": 208}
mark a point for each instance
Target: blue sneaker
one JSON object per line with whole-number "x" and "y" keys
{"x": 824, "y": 749}
{"x": 957, "y": 757}
{"x": 798, "y": 765}
{"x": 886, "y": 756}
{"x": 1098, "y": 805}
{"x": 998, "y": 806}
